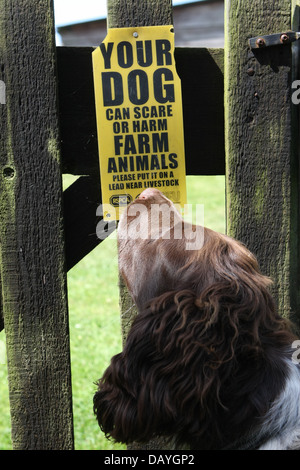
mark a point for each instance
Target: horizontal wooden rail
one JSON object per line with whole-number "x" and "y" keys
{"x": 81, "y": 200}
{"x": 201, "y": 73}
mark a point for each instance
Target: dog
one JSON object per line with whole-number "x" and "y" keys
{"x": 207, "y": 363}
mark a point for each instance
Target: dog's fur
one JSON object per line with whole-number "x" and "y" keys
{"x": 208, "y": 361}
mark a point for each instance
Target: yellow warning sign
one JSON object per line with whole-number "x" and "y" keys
{"x": 139, "y": 116}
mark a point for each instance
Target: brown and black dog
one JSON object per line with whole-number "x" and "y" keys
{"x": 208, "y": 361}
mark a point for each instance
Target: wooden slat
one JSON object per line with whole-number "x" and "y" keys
{"x": 261, "y": 158}
{"x": 127, "y": 13}
{"x": 31, "y": 231}
{"x": 201, "y": 73}
{"x": 78, "y": 132}
{"x": 202, "y": 79}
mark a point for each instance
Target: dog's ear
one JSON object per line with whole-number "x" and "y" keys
{"x": 142, "y": 391}
{"x": 115, "y": 404}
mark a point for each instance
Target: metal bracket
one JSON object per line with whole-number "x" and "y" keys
{"x": 274, "y": 40}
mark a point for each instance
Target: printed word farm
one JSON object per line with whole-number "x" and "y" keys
{"x": 147, "y": 161}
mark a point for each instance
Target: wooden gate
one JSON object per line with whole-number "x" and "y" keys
{"x": 251, "y": 136}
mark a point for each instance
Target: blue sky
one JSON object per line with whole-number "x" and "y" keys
{"x": 73, "y": 11}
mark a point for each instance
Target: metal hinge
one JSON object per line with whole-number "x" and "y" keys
{"x": 274, "y": 40}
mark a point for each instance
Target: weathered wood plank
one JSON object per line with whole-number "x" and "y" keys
{"x": 78, "y": 130}
{"x": 202, "y": 80}
{"x": 295, "y": 248}
{"x": 31, "y": 231}
{"x": 261, "y": 161}
{"x": 127, "y": 13}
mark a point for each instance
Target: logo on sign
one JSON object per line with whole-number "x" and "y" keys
{"x": 120, "y": 200}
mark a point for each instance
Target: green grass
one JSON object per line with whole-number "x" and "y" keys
{"x": 94, "y": 320}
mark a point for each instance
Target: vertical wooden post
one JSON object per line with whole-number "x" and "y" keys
{"x": 31, "y": 231}
{"x": 261, "y": 158}
{"x": 125, "y": 14}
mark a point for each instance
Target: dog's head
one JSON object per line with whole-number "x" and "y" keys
{"x": 199, "y": 362}
{"x": 154, "y": 245}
